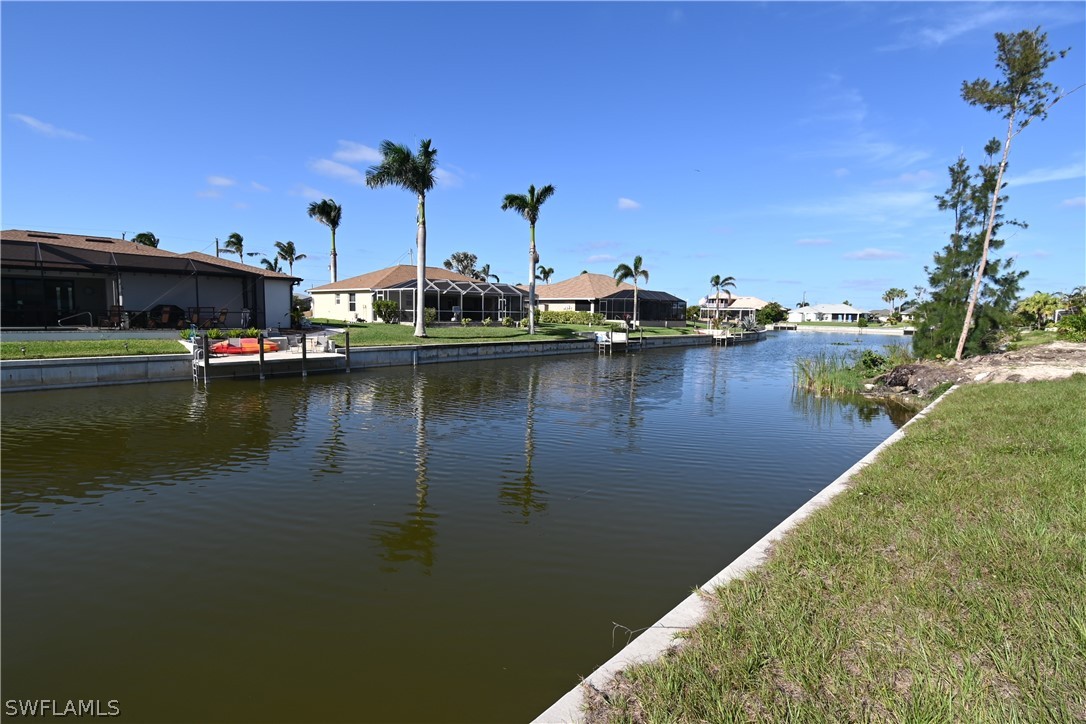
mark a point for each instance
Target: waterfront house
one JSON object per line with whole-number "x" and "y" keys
{"x": 730, "y": 308}
{"x": 825, "y": 313}
{"x": 53, "y": 279}
{"x": 598, "y": 293}
{"x": 453, "y": 295}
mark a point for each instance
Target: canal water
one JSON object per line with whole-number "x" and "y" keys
{"x": 459, "y": 542}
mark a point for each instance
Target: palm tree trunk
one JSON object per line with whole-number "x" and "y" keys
{"x": 334, "y": 270}
{"x": 531, "y": 284}
{"x": 987, "y": 241}
{"x": 635, "y": 302}
{"x": 420, "y": 274}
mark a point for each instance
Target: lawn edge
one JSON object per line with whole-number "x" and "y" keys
{"x": 657, "y": 639}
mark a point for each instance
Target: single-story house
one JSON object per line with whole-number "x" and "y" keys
{"x": 825, "y": 313}
{"x": 52, "y": 279}
{"x": 730, "y": 308}
{"x": 453, "y": 295}
{"x": 598, "y": 293}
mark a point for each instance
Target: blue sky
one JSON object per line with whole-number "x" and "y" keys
{"x": 794, "y": 146}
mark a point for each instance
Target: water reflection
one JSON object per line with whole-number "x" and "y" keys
{"x": 824, "y": 412}
{"x": 415, "y": 538}
{"x": 522, "y": 494}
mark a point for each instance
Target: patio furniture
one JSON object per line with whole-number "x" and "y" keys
{"x": 114, "y": 319}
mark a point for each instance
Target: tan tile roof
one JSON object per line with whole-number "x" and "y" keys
{"x": 238, "y": 266}
{"x": 388, "y": 277}
{"x": 122, "y": 246}
{"x": 582, "y": 286}
{"x": 81, "y": 241}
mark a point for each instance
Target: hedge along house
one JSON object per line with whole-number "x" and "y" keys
{"x": 72, "y": 280}
{"x": 599, "y": 294}
{"x": 453, "y": 296}
{"x": 729, "y": 308}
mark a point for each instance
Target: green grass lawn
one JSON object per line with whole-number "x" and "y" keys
{"x": 379, "y": 334}
{"x": 1032, "y": 338}
{"x": 89, "y": 348}
{"x": 947, "y": 585}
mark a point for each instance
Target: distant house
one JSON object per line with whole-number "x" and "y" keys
{"x": 825, "y": 313}
{"x": 730, "y": 308}
{"x": 76, "y": 280}
{"x": 598, "y": 293}
{"x": 453, "y": 295}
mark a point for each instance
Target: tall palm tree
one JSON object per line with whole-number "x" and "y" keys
{"x": 235, "y": 244}
{"x": 415, "y": 173}
{"x": 285, "y": 250}
{"x": 328, "y": 212}
{"x": 146, "y": 238}
{"x": 624, "y": 272}
{"x": 892, "y": 295}
{"x": 721, "y": 284}
{"x": 527, "y": 205}
{"x": 545, "y": 273}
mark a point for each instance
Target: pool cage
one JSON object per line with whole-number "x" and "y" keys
{"x": 454, "y": 300}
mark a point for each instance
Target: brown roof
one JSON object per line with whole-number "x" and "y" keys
{"x": 389, "y": 277}
{"x": 81, "y": 241}
{"x": 582, "y": 286}
{"x": 103, "y": 245}
{"x": 237, "y": 266}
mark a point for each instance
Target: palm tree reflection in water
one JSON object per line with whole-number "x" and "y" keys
{"x": 523, "y": 494}
{"x": 415, "y": 538}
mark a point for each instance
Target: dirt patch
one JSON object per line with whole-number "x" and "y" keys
{"x": 1051, "y": 361}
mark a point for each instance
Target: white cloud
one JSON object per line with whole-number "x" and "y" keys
{"x": 307, "y": 192}
{"x": 258, "y": 187}
{"x": 447, "y": 179}
{"x": 351, "y": 152}
{"x": 209, "y": 194}
{"x": 595, "y": 258}
{"x": 326, "y": 167}
{"x": 1074, "y": 203}
{"x": 240, "y": 205}
{"x": 220, "y": 181}
{"x": 870, "y": 254}
{"x": 625, "y": 203}
{"x": 812, "y": 242}
{"x": 841, "y": 172}
{"x": 1044, "y": 175}
{"x": 48, "y": 129}
{"x": 922, "y": 178}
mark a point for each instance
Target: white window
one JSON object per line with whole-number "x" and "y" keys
{"x": 350, "y": 301}
{"x": 337, "y": 299}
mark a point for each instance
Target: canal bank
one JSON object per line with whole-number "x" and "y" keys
{"x": 45, "y": 374}
{"x": 661, "y": 636}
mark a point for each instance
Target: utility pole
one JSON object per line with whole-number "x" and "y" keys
{"x": 216, "y": 247}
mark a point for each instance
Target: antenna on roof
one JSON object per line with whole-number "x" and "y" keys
{"x": 122, "y": 235}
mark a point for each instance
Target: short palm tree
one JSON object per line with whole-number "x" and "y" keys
{"x": 483, "y": 274}
{"x": 545, "y": 273}
{"x": 414, "y": 173}
{"x": 721, "y": 284}
{"x": 462, "y": 262}
{"x": 235, "y": 244}
{"x": 285, "y": 250}
{"x": 328, "y": 212}
{"x": 527, "y": 205}
{"x": 271, "y": 264}
{"x": 146, "y": 238}
{"x": 624, "y": 272}
{"x": 892, "y": 295}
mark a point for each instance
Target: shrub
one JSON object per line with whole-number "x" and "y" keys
{"x": 429, "y": 315}
{"x": 871, "y": 361}
{"x": 554, "y": 317}
{"x": 465, "y": 321}
{"x": 507, "y": 322}
{"x": 234, "y": 333}
{"x": 387, "y": 310}
{"x": 1072, "y": 328}
{"x": 185, "y": 333}
{"x": 487, "y": 321}
{"x": 862, "y": 322}
{"x": 251, "y": 332}
{"x": 214, "y": 333}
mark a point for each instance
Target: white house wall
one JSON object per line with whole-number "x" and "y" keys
{"x": 278, "y": 297}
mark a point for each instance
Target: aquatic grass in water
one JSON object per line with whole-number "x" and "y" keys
{"x": 845, "y": 374}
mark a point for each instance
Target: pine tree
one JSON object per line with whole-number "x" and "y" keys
{"x": 951, "y": 278}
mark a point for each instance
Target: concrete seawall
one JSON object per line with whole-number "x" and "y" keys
{"x": 27, "y": 375}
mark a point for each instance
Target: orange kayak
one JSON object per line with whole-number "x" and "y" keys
{"x": 248, "y": 345}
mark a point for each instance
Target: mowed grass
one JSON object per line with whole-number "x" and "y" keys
{"x": 89, "y": 348}
{"x": 948, "y": 584}
{"x": 378, "y": 334}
